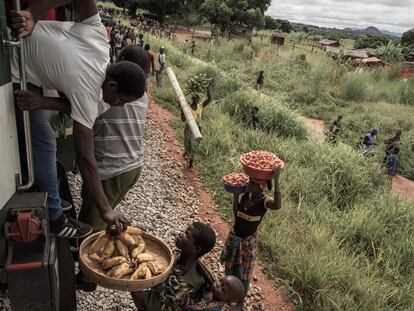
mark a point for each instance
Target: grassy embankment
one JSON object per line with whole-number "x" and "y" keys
{"x": 340, "y": 242}
{"x": 317, "y": 87}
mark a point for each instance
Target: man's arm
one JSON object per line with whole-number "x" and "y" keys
{"x": 27, "y": 100}
{"x": 23, "y": 22}
{"x": 209, "y": 97}
{"x": 277, "y": 199}
{"x": 83, "y": 141}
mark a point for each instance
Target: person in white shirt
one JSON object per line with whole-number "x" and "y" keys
{"x": 73, "y": 59}
{"x": 159, "y": 65}
{"x": 118, "y": 43}
{"x": 370, "y": 141}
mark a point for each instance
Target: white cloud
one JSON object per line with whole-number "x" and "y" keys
{"x": 392, "y": 15}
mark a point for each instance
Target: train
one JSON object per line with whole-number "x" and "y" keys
{"x": 37, "y": 270}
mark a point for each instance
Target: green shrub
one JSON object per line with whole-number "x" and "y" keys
{"x": 406, "y": 92}
{"x": 406, "y": 156}
{"x": 354, "y": 89}
{"x": 275, "y": 117}
{"x": 239, "y": 47}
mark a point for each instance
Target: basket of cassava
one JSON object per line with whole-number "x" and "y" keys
{"x": 235, "y": 183}
{"x": 131, "y": 261}
{"x": 259, "y": 164}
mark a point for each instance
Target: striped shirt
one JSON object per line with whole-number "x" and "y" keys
{"x": 118, "y": 135}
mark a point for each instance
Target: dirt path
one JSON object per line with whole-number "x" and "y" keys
{"x": 316, "y": 128}
{"x": 403, "y": 187}
{"x": 183, "y": 34}
{"x": 274, "y": 299}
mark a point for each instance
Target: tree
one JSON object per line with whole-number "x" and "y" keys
{"x": 407, "y": 38}
{"x": 391, "y": 52}
{"x": 284, "y": 25}
{"x": 334, "y": 37}
{"x": 262, "y": 5}
{"x": 161, "y": 8}
{"x": 408, "y": 52}
{"x": 248, "y": 13}
{"x": 252, "y": 18}
{"x": 370, "y": 41}
{"x": 270, "y": 23}
{"x": 217, "y": 13}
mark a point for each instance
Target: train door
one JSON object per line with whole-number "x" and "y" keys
{"x": 9, "y": 167}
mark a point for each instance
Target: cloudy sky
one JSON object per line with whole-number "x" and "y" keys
{"x": 392, "y": 15}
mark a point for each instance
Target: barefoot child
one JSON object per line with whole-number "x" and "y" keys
{"x": 256, "y": 121}
{"x": 239, "y": 253}
{"x": 180, "y": 287}
{"x": 190, "y": 144}
{"x": 260, "y": 80}
{"x": 229, "y": 290}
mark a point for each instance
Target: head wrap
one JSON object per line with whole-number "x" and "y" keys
{"x": 261, "y": 183}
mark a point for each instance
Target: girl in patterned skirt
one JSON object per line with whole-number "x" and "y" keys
{"x": 239, "y": 253}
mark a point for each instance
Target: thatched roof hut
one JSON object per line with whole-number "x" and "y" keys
{"x": 327, "y": 42}
{"x": 238, "y": 31}
{"x": 277, "y": 38}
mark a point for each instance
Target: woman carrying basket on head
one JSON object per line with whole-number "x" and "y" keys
{"x": 239, "y": 253}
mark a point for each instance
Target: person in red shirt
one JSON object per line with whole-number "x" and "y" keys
{"x": 149, "y": 67}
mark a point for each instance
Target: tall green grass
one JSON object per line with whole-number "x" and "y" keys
{"x": 354, "y": 89}
{"x": 339, "y": 242}
{"x": 318, "y": 87}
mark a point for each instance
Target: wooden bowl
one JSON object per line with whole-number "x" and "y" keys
{"x": 258, "y": 174}
{"x": 92, "y": 269}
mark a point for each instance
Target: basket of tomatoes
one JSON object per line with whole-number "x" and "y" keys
{"x": 235, "y": 183}
{"x": 259, "y": 164}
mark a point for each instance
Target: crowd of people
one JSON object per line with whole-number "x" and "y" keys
{"x": 139, "y": 23}
{"x": 103, "y": 88}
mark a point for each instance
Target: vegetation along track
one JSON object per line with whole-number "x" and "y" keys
{"x": 401, "y": 186}
{"x": 340, "y": 240}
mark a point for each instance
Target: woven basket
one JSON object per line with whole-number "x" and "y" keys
{"x": 154, "y": 246}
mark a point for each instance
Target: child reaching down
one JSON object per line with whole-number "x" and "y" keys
{"x": 183, "y": 283}
{"x": 229, "y": 290}
{"x": 239, "y": 253}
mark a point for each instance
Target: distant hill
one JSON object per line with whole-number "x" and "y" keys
{"x": 348, "y": 32}
{"x": 373, "y": 31}
{"x": 392, "y": 34}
